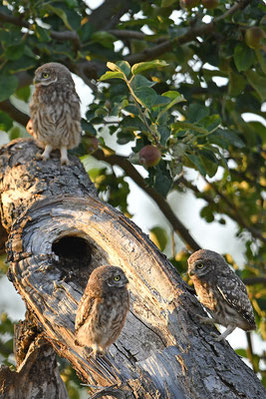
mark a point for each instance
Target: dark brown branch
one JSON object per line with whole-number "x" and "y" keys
{"x": 165, "y": 208}
{"x": 14, "y": 113}
{"x": 231, "y": 210}
{"x": 128, "y": 34}
{"x": 166, "y": 46}
{"x": 254, "y": 280}
{"x": 65, "y": 35}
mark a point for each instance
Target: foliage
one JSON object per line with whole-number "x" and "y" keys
{"x": 181, "y": 79}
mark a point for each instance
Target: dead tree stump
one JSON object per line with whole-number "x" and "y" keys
{"x": 59, "y": 231}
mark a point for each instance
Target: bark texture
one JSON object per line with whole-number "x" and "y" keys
{"x": 59, "y": 231}
{"x": 37, "y": 375}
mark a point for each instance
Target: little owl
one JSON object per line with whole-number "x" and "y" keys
{"x": 221, "y": 292}
{"x": 55, "y": 110}
{"x": 102, "y": 309}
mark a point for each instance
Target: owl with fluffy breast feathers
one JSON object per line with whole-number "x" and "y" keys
{"x": 102, "y": 310}
{"x": 221, "y": 292}
{"x": 55, "y": 111}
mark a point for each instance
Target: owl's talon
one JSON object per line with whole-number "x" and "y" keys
{"x": 64, "y": 158}
{"x": 215, "y": 336}
{"x": 39, "y": 156}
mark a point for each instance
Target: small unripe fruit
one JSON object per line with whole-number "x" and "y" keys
{"x": 149, "y": 156}
{"x": 91, "y": 144}
{"x": 253, "y": 37}
{"x": 210, "y": 4}
{"x": 189, "y": 3}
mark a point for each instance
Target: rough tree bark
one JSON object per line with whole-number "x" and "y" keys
{"x": 59, "y": 231}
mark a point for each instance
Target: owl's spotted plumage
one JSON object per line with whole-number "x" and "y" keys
{"x": 102, "y": 310}
{"x": 221, "y": 292}
{"x": 55, "y": 110}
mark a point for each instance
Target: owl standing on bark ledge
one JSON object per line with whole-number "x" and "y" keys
{"x": 221, "y": 292}
{"x": 102, "y": 310}
{"x": 55, "y": 111}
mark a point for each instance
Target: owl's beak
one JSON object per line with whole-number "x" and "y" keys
{"x": 35, "y": 81}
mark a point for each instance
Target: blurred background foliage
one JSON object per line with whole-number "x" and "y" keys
{"x": 181, "y": 86}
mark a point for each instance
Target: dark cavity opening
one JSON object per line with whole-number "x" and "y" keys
{"x": 73, "y": 252}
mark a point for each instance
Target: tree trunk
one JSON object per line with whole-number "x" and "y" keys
{"x": 59, "y": 231}
{"x": 37, "y": 374}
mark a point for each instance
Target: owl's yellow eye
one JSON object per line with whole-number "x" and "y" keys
{"x": 199, "y": 265}
{"x": 45, "y": 75}
{"x": 117, "y": 278}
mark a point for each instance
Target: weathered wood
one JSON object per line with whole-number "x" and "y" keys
{"x": 59, "y": 232}
{"x": 37, "y": 375}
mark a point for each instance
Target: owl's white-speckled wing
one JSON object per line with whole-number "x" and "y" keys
{"x": 84, "y": 309}
{"x": 235, "y": 294}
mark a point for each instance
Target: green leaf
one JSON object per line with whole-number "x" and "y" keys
{"x": 244, "y": 57}
{"x": 261, "y": 57}
{"x": 60, "y": 13}
{"x": 85, "y": 31}
{"x": 197, "y": 162}
{"x": 167, "y": 3}
{"x": 6, "y": 122}
{"x": 113, "y": 66}
{"x": 164, "y": 133}
{"x": 209, "y": 161}
{"x": 190, "y": 126}
{"x": 111, "y": 75}
{"x": 23, "y": 93}
{"x": 146, "y": 96}
{"x": 211, "y": 122}
{"x": 143, "y": 66}
{"x": 196, "y": 112}
{"x": 88, "y": 127}
{"x": 140, "y": 81}
{"x": 224, "y": 138}
{"x": 124, "y": 67}
{"x": 258, "y": 82}
{"x": 129, "y": 123}
{"x": 14, "y": 52}
{"x": 14, "y": 133}
{"x": 42, "y": 34}
{"x": 237, "y": 83}
{"x": 8, "y": 85}
{"x": 159, "y": 237}
{"x": 255, "y": 128}
{"x": 207, "y": 214}
{"x": 104, "y": 38}
{"x": 175, "y": 97}
{"x": 162, "y": 181}
{"x": 23, "y": 64}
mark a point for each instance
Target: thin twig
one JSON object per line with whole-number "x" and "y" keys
{"x": 163, "y": 205}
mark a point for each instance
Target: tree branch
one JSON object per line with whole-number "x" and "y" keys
{"x": 231, "y": 211}
{"x": 64, "y": 35}
{"x": 166, "y": 46}
{"x": 254, "y": 280}
{"x": 14, "y": 113}
{"x": 128, "y": 34}
{"x": 165, "y": 208}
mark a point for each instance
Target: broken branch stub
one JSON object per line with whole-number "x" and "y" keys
{"x": 63, "y": 233}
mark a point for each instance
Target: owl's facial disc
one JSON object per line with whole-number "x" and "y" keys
{"x": 44, "y": 78}
{"x": 118, "y": 280}
{"x": 199, "y": 268}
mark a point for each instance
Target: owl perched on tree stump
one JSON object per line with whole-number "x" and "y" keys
{"x": 102, "y": 309}
{"x": 221, "y": 292}
{"x": 55, "y": 110}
